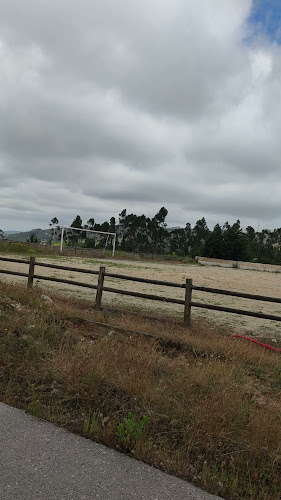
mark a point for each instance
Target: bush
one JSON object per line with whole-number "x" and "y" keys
{"x": 13, "y": 247}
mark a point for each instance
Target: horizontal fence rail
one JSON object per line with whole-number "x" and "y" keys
{"x": 236, "y": 294}
{"x": 145, "y": 280}
{"x": 242, "y": 312}
{"x": 14, "y": 273}
{"x": 143, "y": 295}
{"x": 68, "y": 282}
{"x": 67, "y": 268}
{"x": 21, "y": 261}
{"x": 188, "y": 286}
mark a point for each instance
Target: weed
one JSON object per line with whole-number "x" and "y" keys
{"x": 277, "y": 381}
{"x": 131, "y": 429}
{"x": 93, "y": 424}
{"x": 258, "y": 372}
{"x": 34, "y": 405}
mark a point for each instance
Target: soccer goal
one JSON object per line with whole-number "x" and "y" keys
{"x": 108, "y": 235}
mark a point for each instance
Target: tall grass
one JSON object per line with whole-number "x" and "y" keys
{"x": 208, "y": 412}
{"x": 16, "y": 248}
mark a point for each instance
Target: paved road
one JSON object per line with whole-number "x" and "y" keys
{"x": 39, "y": 461}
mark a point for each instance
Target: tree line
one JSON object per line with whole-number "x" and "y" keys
{"x": 142, "y": 234}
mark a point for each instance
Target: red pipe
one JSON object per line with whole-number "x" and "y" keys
{"x": 259, "y": 343}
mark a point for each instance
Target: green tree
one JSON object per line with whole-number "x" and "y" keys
{"x": 77, "y": 223}
{"x": 188, "y": 236}
{"x": 252, "y": 242}
{"x": 250, "y": 233}
{"x": 177, "y": 241}
{"x": 134, "y": 232}
{"x": 265, "y": 253}
{"x": 54, "y": 229}
{"x": 91, "y": 224}
{"x": 235, "y": 242}
{"x": 104, "y": 227}
{"x": 112, "y": 225}
{"x": 121, "y": 230}
{"x": 130, "y": 227}
{"x": 228, "y": 242}
{"x": 90, "y": 241}
{"x": 158, "y": 232}
{"x": 180, "y": 240}
{"x": 33, "y": 239}
{"x": 75, "y": 236}
{"x": 122, "y": 217}
{"x": 199, "y": 234}
{"x": 214, "y": 244}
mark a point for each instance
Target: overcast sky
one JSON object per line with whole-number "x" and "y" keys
{"x": 137, "y": 104}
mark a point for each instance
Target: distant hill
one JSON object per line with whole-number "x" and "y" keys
{"x": 44, "y": 235}
{"x": 11, "y": 232}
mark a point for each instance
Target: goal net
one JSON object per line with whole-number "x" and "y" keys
{"x": 67, "y": 232}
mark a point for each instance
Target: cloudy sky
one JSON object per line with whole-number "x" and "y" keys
{"x": 136, "y": 104}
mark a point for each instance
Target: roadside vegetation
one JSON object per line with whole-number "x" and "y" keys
{"x": 196, "y": 402}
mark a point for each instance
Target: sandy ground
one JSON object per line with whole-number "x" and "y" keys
{"x": 256, "y": 282}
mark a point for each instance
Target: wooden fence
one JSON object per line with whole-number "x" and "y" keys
{"x": 100, "y": 287}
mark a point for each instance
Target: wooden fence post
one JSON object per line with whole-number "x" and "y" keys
{"x": 187, "y": 302}
{"x": 31, "y": 271}
{"x": 100, "y": 288}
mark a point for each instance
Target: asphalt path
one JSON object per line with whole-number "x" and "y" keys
{"x": 39, "y": 461}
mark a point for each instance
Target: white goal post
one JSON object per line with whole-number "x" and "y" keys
{"x": 89, "y": 231}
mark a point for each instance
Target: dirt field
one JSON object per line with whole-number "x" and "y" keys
{"x": 255, "y": 282}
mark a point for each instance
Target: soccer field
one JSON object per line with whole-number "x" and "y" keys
{"x": 255, "y": 282}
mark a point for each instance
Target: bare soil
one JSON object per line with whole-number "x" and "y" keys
{"x": 248, "y": 281}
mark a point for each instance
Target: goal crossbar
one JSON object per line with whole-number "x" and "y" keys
{"x": 88, "y": 231}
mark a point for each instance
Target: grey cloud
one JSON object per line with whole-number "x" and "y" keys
{"x": 168, "y": 57}
{"x": 106, "y": 105}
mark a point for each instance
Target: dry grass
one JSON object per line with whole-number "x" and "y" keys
{"x": 205, "y": 407}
